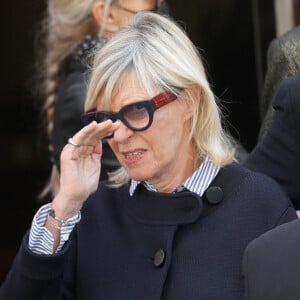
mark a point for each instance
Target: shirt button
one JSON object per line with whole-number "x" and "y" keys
{"x": 159, "y": 258}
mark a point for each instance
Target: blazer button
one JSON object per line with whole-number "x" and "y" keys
{"x": 159, "y": 258}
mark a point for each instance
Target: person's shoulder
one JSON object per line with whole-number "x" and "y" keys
{"x": 251, "y": 178}
{"x": 271, "y": 264}
{"x": 74, "y": 79}
{"x": 254, "y": 186}
{"x": 76, "y": 74}
{"x": 235, "y": 169}
{"x": 261, "y": 181}
{"x": 279, "y": 236}
{"x": 281, "y": 240}
{"x": 263, "y": 199}
{"x": 71, "y": 94}
{"x": 264, "y": 191}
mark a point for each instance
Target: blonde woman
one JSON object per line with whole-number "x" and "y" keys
{"x": 72, "y": 31}
{"x": 174, "y": 220}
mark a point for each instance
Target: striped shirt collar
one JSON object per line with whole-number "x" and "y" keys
{"x": 197, "y": 183}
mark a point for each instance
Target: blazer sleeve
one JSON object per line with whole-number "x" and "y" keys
{"x": 34, "y": 276}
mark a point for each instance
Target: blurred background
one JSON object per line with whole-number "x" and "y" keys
{"x": 232, "y": 36}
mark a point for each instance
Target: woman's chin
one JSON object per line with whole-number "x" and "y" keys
{"x": 138, "y": 175}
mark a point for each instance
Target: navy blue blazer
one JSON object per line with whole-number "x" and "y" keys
{"x": 278, "y": 153}
{"x": 155, "y": 246}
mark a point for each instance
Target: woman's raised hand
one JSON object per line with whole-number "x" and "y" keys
{"x": 81, "y": 167}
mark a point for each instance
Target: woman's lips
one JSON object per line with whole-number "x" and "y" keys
{"x": 133, "y": 156}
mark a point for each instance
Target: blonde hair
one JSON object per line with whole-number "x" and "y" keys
{"x": 66, "y": 23}
{"x": 161, "y": 54}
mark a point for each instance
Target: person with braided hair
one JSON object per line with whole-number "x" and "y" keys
{"x": 71, "y": 32}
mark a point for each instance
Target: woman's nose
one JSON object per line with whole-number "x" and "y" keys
{"x": 122, "y": 133}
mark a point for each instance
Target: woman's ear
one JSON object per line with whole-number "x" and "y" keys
{"x": 197, "y": 91}
{"x": 98, "y": 12}
{"x": 105, "y": 20}
{"x": 190, "y": 106}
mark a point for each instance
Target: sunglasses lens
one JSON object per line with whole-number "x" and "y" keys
{"x": 100, "y": 117}
{"x": 136, "y": 115}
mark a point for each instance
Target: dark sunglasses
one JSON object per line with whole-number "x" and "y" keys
{"x": 137, "y": 116}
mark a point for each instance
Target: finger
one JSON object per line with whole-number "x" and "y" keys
{"x": 92, "y": 133}
{"x": 101, "y": 133}
{"x": 82, "y": 152}
{"x": 89, "y": 140}
{"x": 76, "y": 146}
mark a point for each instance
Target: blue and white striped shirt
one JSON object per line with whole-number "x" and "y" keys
{"x": 41, "y": 240}
{"x": 197, "y": 183}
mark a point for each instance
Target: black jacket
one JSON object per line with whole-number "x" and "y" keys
{"x": 70, "y": 101}
{"x": 278, "y": 153}
{"x": 154, "y": 246}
